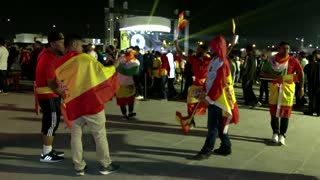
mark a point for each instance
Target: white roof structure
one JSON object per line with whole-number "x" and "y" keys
{"x": 30, "y": 38}
{"x": 146, "y": 23}
{"x": 92, "y": 41}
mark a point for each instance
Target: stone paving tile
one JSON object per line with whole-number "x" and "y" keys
{"x": 153, "y": 147}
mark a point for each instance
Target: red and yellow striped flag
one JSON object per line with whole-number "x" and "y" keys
{"x": 182, "y": 22}
{"x": 86, "y": 84}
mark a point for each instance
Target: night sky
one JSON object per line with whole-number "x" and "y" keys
{"x": 258, "y": 21}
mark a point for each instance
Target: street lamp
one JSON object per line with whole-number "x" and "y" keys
{"x": 254, "y": 45}
{"x": 54, "y": 26}
{"x": 8, "y": 19}
{"x": 301, "y": 40}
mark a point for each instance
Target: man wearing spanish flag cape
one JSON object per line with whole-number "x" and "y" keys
{"x": 86, "y": 86}
{"x": 284, "y": 71}
{"x": 128, "y": 67}
{"x": 221, "y": 101}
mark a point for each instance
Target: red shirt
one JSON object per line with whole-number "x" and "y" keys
{"x": 200, "y": 69}
{"x": 177, "y": 58}
{"x": 45, "y": 70}
{"x": 165, "y": 63}
{"x": 294, "y": 66}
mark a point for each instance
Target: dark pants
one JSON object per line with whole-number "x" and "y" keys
{"x": 299, "y": 101}
{"x": 264, "y": 89}
{"x": 124, "y": 109}
{"x": 279, "y": 128}
{"x": 163, "y": 87}
{"x": 171, "y": 90}
{"x": 249, "y": 96}
{"x": 51, "y": 115}
{"x": 314, "y": 102}
{"x": 138, "y": 83}
{"x": 3, "y": 81}
{"x": 215, "y": 128}
{"x": 187, "y": 84}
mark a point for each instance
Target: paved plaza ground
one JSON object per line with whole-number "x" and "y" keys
{"x": 153, "y": 147}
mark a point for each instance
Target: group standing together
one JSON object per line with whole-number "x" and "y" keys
{"x": 76, "y": 85}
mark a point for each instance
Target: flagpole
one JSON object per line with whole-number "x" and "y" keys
{"x": 186, "y": 36}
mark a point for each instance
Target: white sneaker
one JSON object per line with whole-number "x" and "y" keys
{"x": 139, "y": 97}
{"x": 282, "y": 140}
{"x": 275, "y": 138}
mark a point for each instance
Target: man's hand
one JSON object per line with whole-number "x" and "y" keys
{"x": 175, "y": 42}
{"x": 205, "y": 102}
{"x": 300, "y": 93}
{"x": 279, "y": 79}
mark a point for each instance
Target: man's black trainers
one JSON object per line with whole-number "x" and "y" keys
{"x": 81, "y": 172}
{"x": 192, "y": 124}
{"x": 58, "y": 153}
{"x": 110, "y": 169}
{"x": 201, "y": 156}
{"x": 132, "y": 114}
{"x": 222, "y": 152}
{"x": 51, "y": 157}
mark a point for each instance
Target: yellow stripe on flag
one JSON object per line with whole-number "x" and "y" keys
{"x": 79, "y": 69}
{"x": 227, "y": 99}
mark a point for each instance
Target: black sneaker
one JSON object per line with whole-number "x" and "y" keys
{"x": 201, "y": 156}
{"x": 126, "y": 118}
{"x": 58, "y": 153}
{"x": 81, "y": 172}
{"x": 132, "y": 114}
{"x": 222, "y": 152}
{"x": 50, "y": 158}
{"x": 192, "y": 124}
{"x": 110, "y": 169}
{"x": 308, "y": 113}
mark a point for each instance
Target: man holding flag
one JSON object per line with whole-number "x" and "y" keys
{"x": 200, "y": 63}
{"x": 86, "y": 86}
{"x": 221, "y": 101}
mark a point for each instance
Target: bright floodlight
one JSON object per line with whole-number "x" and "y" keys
{"x": 146, "y": 28}
{"x": 9, "y": 20}
{"x": 145, "y": 23}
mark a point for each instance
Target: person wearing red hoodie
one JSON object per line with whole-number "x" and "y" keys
{"x": 221, "y": 102}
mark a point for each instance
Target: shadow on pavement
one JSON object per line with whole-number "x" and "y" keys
{"x": 141, "y": 165}
{"x": 38, "y": 119}
{"x": 13, "y": 107}
{"x": 190, "y": 171}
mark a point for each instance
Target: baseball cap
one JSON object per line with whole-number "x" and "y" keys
{"x": 55, "y": 36}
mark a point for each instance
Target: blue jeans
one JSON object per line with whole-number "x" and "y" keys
{"x": 214, "y": 129}
{"x": 163, "y": 87}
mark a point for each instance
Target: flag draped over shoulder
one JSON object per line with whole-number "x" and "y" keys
{"x": 86, "y": 84}
{"x": 129, "y": 65}
{"x": 221, "y": 91}
{"x": 281, "y": 93}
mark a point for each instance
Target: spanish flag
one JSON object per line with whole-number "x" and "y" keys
{"x": 86, "y": 84}
{"x": 182, "y": 22}
{"x": 220, "y": 91}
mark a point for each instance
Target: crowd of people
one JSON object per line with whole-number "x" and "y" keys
{"x": 75, "y": 81}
